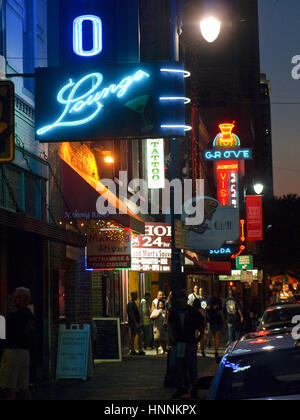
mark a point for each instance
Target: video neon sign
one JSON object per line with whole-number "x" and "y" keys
{"x": 79, "y": 98}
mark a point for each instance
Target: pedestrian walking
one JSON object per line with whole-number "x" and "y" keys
{"x": 194, "y": 295}
{"x": 184, "y": 323}
{"x": 146, "y": 322}
{"x": 15, "y": 363}
{"x": 134, "y": 322}
{"x": 199, "y": 306}
{"x": 234, "y": 317}
{"x": 160, "y": 327}
{"x": 215, "y": 319}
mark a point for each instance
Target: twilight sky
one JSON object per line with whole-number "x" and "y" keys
{"x": 279, "y": 41}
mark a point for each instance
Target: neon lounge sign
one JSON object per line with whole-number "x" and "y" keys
{"x": 76, "y": 102}
{"x": 71, "y": 96}
{"x": 133, "y": 100}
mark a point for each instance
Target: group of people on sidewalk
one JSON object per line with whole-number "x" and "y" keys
{"x": 185, "y": 325}
{"x": 149, "y": 323}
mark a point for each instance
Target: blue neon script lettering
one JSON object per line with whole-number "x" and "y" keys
{"x": 84, "y": 95}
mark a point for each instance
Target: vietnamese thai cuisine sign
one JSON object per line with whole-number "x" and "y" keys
{"x": 108, "y": 249}
{"x": 153, "y": 251}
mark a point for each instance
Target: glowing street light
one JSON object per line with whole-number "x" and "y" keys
{"x": 109, "y": 159}
{"x": 210, "y": 28}
{"x": 258, "y": 188}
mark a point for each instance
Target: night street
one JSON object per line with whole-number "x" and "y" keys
{"x": 149, "y": 202}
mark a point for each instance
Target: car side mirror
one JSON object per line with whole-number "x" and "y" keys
{"x": 204, "y": 382}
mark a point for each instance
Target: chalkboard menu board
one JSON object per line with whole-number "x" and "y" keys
{"x": 107, "y": 340}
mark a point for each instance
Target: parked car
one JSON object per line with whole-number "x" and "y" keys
{"x": 278, "y": 316}
{"x": 260, "y": 366}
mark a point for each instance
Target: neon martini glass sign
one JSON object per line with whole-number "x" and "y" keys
{"x": 85, "y": 99}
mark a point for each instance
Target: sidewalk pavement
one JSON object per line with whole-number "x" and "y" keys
{"x": 135, "y": 378}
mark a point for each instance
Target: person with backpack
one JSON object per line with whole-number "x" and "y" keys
{"x": 233, "y": 315}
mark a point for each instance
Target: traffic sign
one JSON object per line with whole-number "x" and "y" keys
{"x": 7, "y": 121}
{"x": 244, "y": 262}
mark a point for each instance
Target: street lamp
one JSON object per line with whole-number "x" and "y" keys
{"x": 109, "y": 159}
{"x": 210, "y": 28}
{"x": 258, "y": 188}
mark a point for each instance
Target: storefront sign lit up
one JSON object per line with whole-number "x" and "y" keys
{"x": 226, "y": 138}
{"x": 227, "y": 183}
{"x": 228, "y": 154}
{"x": 156, "y": 163}
{"x": 91, "y": 102}
{"x": 153, "y": 251}
{"x": 221, "y": 251}
{"x": 96, "y": 35}
{"x": 108, "y": 249}
{"x": 94, "y": 94}
{"x": 82, "y": 101}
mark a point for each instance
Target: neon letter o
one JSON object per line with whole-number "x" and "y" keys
{"x": 78, "y": 36}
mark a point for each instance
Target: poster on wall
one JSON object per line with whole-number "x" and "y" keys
{"x": 108, "y": 249}
{"x": 152, "y": 252}
{"x": 221, "y": 224}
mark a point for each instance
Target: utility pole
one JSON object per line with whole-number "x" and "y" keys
{"x": 177, "y": 278}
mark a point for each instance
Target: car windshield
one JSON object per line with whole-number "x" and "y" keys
{"x": 284, "y": 314}
{"x": 260, "y": 375}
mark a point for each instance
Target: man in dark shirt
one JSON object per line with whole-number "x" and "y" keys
{"x": 134, "y": 322}
{"x": 234, "y": 317}
{"x": 14, "y": 368}
{"x": 184, "y": 323}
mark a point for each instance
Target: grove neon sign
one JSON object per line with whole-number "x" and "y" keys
{"x": 228, "y": 154}
{"x": 86, "y": 98}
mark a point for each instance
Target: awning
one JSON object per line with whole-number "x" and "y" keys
{"x": 81, "y": 192}
{"x": 207, "y": 267}
{"x": 20, "y": 221}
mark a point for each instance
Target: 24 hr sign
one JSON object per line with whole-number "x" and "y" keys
{"x": 153, "y": 251}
